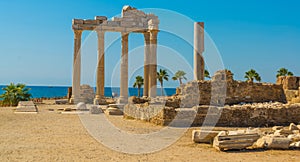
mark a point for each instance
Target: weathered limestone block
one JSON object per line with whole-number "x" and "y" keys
{"x": 95, "y": 110}
{"x": 26, "y": 106}
{"x": 275, "y": 128}
{"x": 62, "y": 101}
{"x": 293, "y": 127}
{"x": 204, "y": 136}
{"x": 128, "y": 23}
{"x": 100, "y": 18}
{"x": 294, "y": 137}
{"x": 81, "y": 107}
{"x": 77, "y": 21}
{"x": 113, "y": 111}
{"x": 87, "y": 94}
{"x": 291, "y": 94}
{"x": 238, "y": 141}
{"x": 113, "y": 23}
{"x": 91, "y": 22}
{"x": 295, "y": 145}
{"x": 276, "y": 142}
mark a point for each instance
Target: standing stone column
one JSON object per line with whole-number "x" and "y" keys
{"x": 199, "y": 65}
{"x": 147, "y": 58}
{"x": 153, "y": 63}
{"x": 124, "y": 70}
{"x": 99, "y": 99}
{"x": 76, "y": 67}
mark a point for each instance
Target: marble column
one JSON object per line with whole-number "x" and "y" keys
{"x": 99, "y": 99}
{"x": 199, "y": 65}
{"x": 124, "y": 69}
{"x": 76, "y": 67}
{"x": 146, "y": 64}
{"x": 153, "y": 63}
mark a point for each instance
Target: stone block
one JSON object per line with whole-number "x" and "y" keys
{"x": 113, "y": 111}
{"x": 294, "y": 137}
{"x": 204, "y": 136}
{"x": 277, "y": 142}
{"x": 295, "y": 145}
{"x": 117, "y": 19}
{"x": 293, "y": 127}
{"x": 60, "y": 102}
{"x": 26, "y": 106}
{"x": 113, "y": 23}
{"x": 77, "y": 21}
{"x": 81, "y": 107}
{"x": 275, "y": 128}
{"x": 128, "y": 24}
{"x": 239, "y": 141}
{"x": 95, "y": 110}
{"x": 91, "y": 22}
{"x": 100, "y": 18}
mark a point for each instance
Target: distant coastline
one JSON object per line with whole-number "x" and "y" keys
{"x": 61, "y": 91}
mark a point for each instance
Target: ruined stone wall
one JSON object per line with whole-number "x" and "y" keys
{"x": 156, "y": 114}
{"x": 222, "y": 90}
{"x": 291, "y": 86}
{"x": 230, "y": 116}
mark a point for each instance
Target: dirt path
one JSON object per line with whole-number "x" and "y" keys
{"x": 49, "y": 136}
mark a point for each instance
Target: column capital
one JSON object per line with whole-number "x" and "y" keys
{"x": 100, "y": 32}
{"x": 124, "y": 34}
{"x": 77, "y": 33}
{"x": 147, "y": 38}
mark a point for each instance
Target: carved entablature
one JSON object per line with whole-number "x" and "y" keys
{"x": 132, "y": 20}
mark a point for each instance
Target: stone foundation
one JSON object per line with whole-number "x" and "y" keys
{"x": 259, "y": 115}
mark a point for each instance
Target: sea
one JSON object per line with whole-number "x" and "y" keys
{"x": 61, "y": 91}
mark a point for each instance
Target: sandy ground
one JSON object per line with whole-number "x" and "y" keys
{"x": 50, "y": 136}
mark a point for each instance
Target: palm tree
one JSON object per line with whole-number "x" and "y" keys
{"x": 284, "y": 72}
{"x": 161, "y": 76}
{"x": 251, "y": 75}
{"x": 179, "y": 75}
{"x": 139, "y": 82}
{"x": 206, "y": 74}
{"x": 14, "y": 93}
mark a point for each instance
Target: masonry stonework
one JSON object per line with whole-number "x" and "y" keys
{"x": 223, "y": 90}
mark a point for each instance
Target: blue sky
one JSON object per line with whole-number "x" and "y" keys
{"x": 36, "y": 39}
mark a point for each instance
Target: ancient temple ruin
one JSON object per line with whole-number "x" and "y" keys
{"x": 132, "y": 20}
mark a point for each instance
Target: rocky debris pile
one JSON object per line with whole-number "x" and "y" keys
{"x": 281, "y": 138}
{"x": 278, "y": 138}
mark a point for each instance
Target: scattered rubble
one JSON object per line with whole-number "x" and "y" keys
{"x": 278, "y": 138}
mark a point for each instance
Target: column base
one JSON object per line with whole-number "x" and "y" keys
{"x": 122, "y": 100}
{"x": 71, "y": 101}
{"x": 99, "y": 101}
